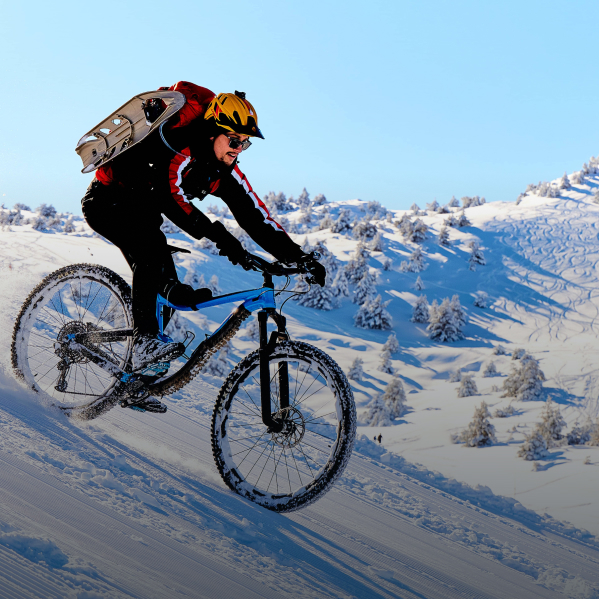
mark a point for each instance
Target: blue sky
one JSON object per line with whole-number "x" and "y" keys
{"x": 389, "y": 101}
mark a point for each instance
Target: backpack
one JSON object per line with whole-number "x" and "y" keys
{"x": 137, "y": 118}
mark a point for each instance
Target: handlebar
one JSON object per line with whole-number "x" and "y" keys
{"x": 278, "y": 269}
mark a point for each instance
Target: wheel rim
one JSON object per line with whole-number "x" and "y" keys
{"x": 273, "y": 467}
{"x": 72, "y": 305}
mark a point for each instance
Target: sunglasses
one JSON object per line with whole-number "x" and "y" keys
{"x": 236, "y": 143}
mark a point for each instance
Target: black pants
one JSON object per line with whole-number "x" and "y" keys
{"x": 133, "y": 223}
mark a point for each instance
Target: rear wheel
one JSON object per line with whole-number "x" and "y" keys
{"x": 290, "y": 469}
{"x": 74, "y": 299}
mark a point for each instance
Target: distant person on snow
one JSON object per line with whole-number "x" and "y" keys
{"x": 193, "y": 155}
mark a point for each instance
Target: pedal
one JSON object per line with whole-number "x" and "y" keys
{"x": 148, "y": 404}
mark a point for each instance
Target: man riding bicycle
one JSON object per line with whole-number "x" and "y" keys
{"x": 193, "y": 155}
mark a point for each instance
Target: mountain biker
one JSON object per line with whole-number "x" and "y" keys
{"x": 193, "y": 155}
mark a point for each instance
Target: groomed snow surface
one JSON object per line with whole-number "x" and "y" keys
{"x": 131, "y": 505}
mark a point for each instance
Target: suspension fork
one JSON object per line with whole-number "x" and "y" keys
{"x": 266, "y": 348}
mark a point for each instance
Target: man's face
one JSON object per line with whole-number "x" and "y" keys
{"x": 223, "y": 152}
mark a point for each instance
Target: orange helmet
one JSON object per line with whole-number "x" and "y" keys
{"x": 234, "y": 113}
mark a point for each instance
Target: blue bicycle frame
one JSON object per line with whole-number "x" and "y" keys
{"x": 255, "y": 299}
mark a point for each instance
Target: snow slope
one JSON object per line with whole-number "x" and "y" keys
{"x": 131, "y": 505}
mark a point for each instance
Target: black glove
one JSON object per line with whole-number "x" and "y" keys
{"x": 228, "y": 245}
{"x": 317, "y": 270}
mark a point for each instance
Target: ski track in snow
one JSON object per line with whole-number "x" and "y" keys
{"x": 131, "y": 505}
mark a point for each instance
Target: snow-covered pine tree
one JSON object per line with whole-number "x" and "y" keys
{"x": 476, "y": 256}
{"x": 364, "y": 230}
{"x": 319, "y": 298}
{"x": 340, "y": 286}
{"x": 525, "y": 382}
{"x": 405, "y": 226}
{"x": 326, "y": 222}
{"x": 420, "y": 311}
{"x": 356, "y": 370}
{"x": 577, "y": 178}
{"x": 433, "y": 311}
{"x": 365, "y": 290}
{"x": 579, "y": 435}
{"x": 467, "y": 386}
{"x": 385, "y": 365}
{"x": 319, "y": 200}
{"x": 565, "y": 182}
{"x": 46, "y": 210}
{"x": 499, "y": 350}
{"x": 419, "y": 231}
{"x": 534, "y": 446}
{"x": 373, "y": 315}
{"x": 416, "y": 263}
{"x": 343, "y": 224}
{"x": 395, "y": 398}
{"x": 456, "y": 377}
{"x": 443, "y": 325}
{"x": 392, "y": 344}
{"x": 327, "y": 259}
{"x": 443, "y": 237}
{"x": 419, "y": 284}
{"x": 214, "y": 286}
{"x": 218, "y": 365}
{"x": 480, "y": 431}
{"x": 304, "y": 199}
{"x": 518, "y": 353}
{"x": 301, "y": 287}
{"x": 377, "y": 244}
{"x": 387, "y": 264}
{"x": 415, "y": 208}
{"x": 69, "y": 226}
{"x": 552, "y": 423}
{"x": 450, "y": 221}
{"x": 594, "y": 434}
{"x": 252, "y": 330}
{"x": 454, "y": 202}
{"x": 481, "y": 299}
{"x": 490, "y": 370}
{"x": 357, "y": 266}
{"x": 433, "y": 206}
{"x": 463, "y": 220}
{"x": 378, "y": 413}
{"x": 459, "y": 313}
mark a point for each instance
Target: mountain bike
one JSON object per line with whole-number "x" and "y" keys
{"x": 284, "y": 420}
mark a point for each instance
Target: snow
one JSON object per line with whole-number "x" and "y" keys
{"x": 131, "y": 505}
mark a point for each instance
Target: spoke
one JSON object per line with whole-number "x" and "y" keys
{"x": 263, "y": 467}
{"x": 323, "y": 416}
{"x": 311, "y": 394}
{"x": 90, "y": 303}
{"x": 267, "y": 445}
{"x": 274, "y": 473}
{"x": 308, "y": 389}
{"x": 296, "y": 467}
{"x": 288, "y": 475}
{"x": 246, "y": 451}
{"x": 307, "y": 460}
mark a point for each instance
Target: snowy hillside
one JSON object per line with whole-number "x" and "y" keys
{"x": 408, "y": 519}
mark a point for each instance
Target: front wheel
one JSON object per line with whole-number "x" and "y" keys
{"x": 284, "y": 471}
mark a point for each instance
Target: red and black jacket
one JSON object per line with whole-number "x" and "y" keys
{"x": 185, "y": 167}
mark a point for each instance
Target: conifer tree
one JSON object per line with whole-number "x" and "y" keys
{"x": 490, "y": 370}
{"x": 319, "y": 200}
{"x": 480, "y": 299}
{"x": 456, "y": 377}
{"x": 450, "y": 221}
{"x": 377, "y": 245}
{"x": 343, "y": 224}
{"x": 467, "y": 386}
{"x": 480, "y": 431}
{"x": 594, "y": 434}
{"x": 458, "y": 311}
{"x": 476, "y": 256}
{"x": 500, "y": 350}
{"x": 525, "y": 382}
{"x": 433, "y": 206}
{"x": 387, "y": 264}
{"x": 405, "y": 226}
{"x": 454, "y": 202}
{"x": 340, "y": 286}
{"x": 385, "y": 365}
{"x": 463, "y": 220}
{"x": 552, "y": 423}
{"x": 419, "y": 284}
{"x": 365, "y": 290}
{"x": 304, "y": 199}
{"x": 392, "y": 344}
{"x": 565, "y": 182}
{"x": 415, "y": 208}
{"x": 252, "y": 330}
{"x": 364, "y": 230}
{"x": 213, "y": 285}
{"x": 443, "y": 237}
{"x": 357, "y": 266}
{"x": 443, "y": 325}
{"x": 395, "y": 398}
{"x": 420, "y": 311}
{"x": 319, "y": 298}
{"x": 378, "y": 413}
{"x": 356, "y": 370}
{"x": 534, "y": 446}
{"x": 373, "y": 315}
{"x": 419, "y": 231}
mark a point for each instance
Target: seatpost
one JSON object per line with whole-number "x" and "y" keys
{"x": 267, "y": 418}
